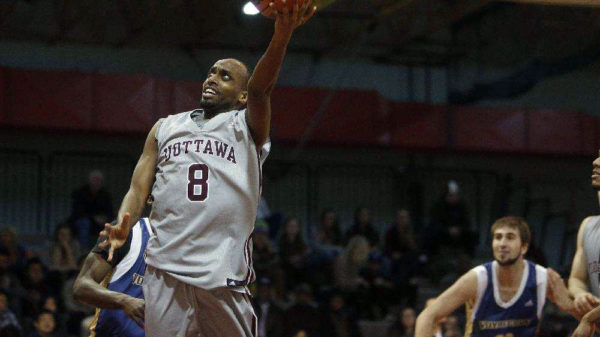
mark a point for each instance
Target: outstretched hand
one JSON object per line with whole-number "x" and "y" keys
{"x": 115, "y": 235}
{"x": 287, "y": 21}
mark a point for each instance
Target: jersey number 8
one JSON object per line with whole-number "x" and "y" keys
{"x": 198, "y": 182}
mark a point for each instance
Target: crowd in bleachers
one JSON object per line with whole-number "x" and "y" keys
{"x": 322, "y": 282}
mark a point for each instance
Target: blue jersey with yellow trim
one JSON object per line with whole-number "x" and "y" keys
{"x": 490, "y": 316}
{"x": 126, "y": 278}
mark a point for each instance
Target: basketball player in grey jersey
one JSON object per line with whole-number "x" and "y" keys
{"x": 205, "y": 165}
{"x": 585, "y": 271}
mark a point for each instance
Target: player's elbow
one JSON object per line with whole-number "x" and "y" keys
{"x": 78, "y": 290}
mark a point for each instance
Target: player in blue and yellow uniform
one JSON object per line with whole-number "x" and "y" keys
{"x": 505, "y": 297}
{"x": 116, "y": 288}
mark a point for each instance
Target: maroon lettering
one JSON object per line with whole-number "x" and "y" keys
{"x": 221, "y": 149}
{"x": 231, "y": 156}
{"x": 208, "y": 148}
{"x": 186, "y": 143}
{"x": 176, "y": 149}
{"x": 198, "y": 142}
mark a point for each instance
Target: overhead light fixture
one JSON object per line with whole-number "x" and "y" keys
{"x": 250, "y": 9}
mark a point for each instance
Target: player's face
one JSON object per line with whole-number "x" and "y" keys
{"x": 224, "y": 87}
{"x": 507, "y": 246}
{"x": 596, "y": 173}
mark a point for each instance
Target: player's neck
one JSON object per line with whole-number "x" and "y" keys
{"x": 511, "y": 275}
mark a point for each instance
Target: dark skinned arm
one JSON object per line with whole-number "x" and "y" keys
{"x": 87, "y": 289}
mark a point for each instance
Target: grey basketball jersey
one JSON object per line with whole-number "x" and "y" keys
{"x": 591, "y": 248}
{"x": 206, "y": 194}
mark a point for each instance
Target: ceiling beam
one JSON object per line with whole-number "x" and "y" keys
{"x": 585, "y": 3}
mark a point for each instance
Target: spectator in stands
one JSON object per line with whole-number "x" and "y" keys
{"x": 76, "y": 310}
{"x": 380, "y": 290}
{"x": 451, "y": 221}
{"x": 401, "y": 248}
{"x": 303, "y": 315}
{"x": 339, "y": 319}
{"x": 329, "y": 232}
{"x": 349, "y": 264}
{"x": 9, "y": 282}
{"x": 7, "y": 317}
{"x": 35, "y": 286}
{"x": 92, "y": 208}
{"x": 270, "y": 315}
{"x": 293, "y": 253}
{"x": 65, "y": 250}
{"x": 45, "y": 325}
{"x": 362, "y": 226}
{"x": 404, "y": 325}
{"x": 264, "y": 254}
{"x": 17, "y": 252}
{"x": 451, "y": 327}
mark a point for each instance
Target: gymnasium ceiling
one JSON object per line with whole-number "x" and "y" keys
{"x": 502, "y": 33}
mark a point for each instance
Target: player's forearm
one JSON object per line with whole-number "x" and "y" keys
{"x": 577, "y": 287}
{"x": 89, "y": 292}
{"x": 267, "y": 69}
{"x": 593, "y": 316}
{"x": 133, "y": 203}
{"x": 424, "y": 325}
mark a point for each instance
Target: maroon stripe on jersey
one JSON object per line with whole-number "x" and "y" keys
{"x": 258, "y": 155}
{"x": 254, "y": 317}
{"x": 247, "y": 258}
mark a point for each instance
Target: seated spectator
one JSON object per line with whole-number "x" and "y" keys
{"x": 92, "y": 208}
{"x": 9, "y": 282}
{"x": 380, "y": 290}
{"x": 270, "y": 315}
{"x": 451, "y": 223}
{"x": 35, "y": 286}
{"x": 45, "y": 325}
{"x": 400, "y": 238}
{"x": 362, "y": 226}
{"x": 349, "y": 264}
{"x": 65, "y": 250}
{"x": 18, "y": 254}
{"x": 7, "y": 317}
{"x": 329, "y": 233}
{"x": 339, "y": 319}
{"x": 401, "y": 248}
{"x": 293, "y": 253}
{"x": 303, "y": 315}
{"x": 404, "y": 325}
{"x": 76, "y": 310}
{"x": 451, "y": 327}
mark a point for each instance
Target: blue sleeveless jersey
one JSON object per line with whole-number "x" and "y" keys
{"x": 126, "y": 278}
{"x": 489, "y": 316}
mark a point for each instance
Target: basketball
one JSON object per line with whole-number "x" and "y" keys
{"x": 265, "y": 10}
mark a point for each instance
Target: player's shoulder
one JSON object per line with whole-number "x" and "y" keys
{"x": 589, "y": 221}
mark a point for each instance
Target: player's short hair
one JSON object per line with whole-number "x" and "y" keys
{"x": 514, "y": 222}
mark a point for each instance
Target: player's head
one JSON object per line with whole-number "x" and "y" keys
{"x": 510, "y": 239}
{"x": 226, "y": 86}
{"x": 596, "y": 173}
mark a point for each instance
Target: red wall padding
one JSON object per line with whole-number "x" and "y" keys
{"x": 132, "y": 103}
{"x": 418, "y": 125}
{"x": 124, "y": 102}
{"x": 49, "y": 99}
{"x": 478, "y": 128}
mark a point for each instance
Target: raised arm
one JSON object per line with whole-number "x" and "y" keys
{"x": 578, "y": 280}
{"x": 135, "y": 199}
{"x": 265, "y": 74}
{"x": 87, "y": 289}
{"x": 462, "y": 291}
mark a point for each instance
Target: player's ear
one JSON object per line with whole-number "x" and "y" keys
{"x": 524, "y": 248}
{"x": 243, "y": 97}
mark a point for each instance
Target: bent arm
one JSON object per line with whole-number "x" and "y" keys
{"x": 462, "y": 291}
{"x": 578, "y": 278}
{"x": 142, "y": 179}
{"x": 88, "y": 289}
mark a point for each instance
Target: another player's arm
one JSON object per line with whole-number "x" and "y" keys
{"x": 462, "y": 291}
{"x": 267, "y": 69}
{"x": 135, "y": 199}
{"x": 587, "y": 323}
{"x": 558, "y": 293}
{"x": 87, "y": 289}
{"x": 578, "y": 280}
